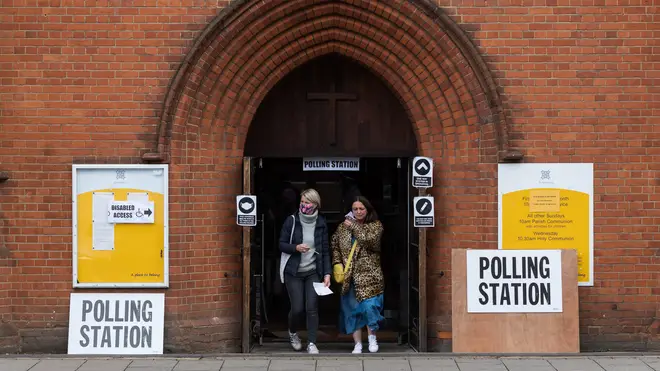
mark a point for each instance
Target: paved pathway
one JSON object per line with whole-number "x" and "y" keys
{"x": 421, "y": 362}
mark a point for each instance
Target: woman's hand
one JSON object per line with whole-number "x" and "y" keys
{"x": 326, "y": 280}
{"x": 302, "y": 248}
{"x": 348, "y": 222}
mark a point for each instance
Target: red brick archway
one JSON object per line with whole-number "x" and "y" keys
{"x": 423, "y": 56}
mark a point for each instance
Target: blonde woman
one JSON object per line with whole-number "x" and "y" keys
{"x": 304, "y": 236}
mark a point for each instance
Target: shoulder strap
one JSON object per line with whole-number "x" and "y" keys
{"x": 350, "y": 257}
{"x": 293, "y": 227}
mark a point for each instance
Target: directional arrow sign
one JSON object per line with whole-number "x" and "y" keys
{"x": 424, "y": 212}
{"x": 131, "y": 212}
{"x": 246, "y": 210}
{"x": 422, "y": 168}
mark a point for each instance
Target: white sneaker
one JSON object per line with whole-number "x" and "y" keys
{"x": 357, "y": 349}
{"x": 295, "y": 341}
{"x": 312, "y": 349}
{"x": 373, "y": 344}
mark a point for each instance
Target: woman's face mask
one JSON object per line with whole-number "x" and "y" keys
{"x": 307, "y": 207}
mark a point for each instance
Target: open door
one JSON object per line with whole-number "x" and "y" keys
{"x": 416, "y": 274}
{"x": 247, "y": 296}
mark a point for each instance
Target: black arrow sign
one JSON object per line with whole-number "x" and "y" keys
{"x": 246, "y": 205}
{"x": 422, "y": 166}
{"x": 423, "y": 207}
{"x": 148, "y": 212}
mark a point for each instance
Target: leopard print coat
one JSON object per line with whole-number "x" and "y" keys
{"x": 365, "y": 270}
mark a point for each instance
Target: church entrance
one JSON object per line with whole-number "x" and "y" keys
{"x": 331, "y": 107}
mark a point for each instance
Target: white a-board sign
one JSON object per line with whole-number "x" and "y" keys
{"x": 116, "y": 323}
{"x": 514, "y": 281}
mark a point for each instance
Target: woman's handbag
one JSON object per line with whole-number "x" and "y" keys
{"x": 285, "y": 257}
{"x": 338, "y": 271}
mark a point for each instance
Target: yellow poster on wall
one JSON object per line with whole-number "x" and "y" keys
{"x": 120, "y": 215}
{"x": 547, "y": 207}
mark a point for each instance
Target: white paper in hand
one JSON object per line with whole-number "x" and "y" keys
{"x": 321, "y": 290}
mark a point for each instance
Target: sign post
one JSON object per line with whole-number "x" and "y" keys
{"x": 120, "y": 221}
{"x": 246, "y": 210}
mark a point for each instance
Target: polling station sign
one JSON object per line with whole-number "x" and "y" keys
{"x": 113, "y": 324}
{"x": 514, "y": 281}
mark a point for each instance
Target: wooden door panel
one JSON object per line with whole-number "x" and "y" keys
{"x": 330, "y": 106}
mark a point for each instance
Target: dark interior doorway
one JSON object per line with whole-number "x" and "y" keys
{"x": 331, "y": 106}
{"x": 278, "y": 183}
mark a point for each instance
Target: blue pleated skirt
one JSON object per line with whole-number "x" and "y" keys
{"x": 354, "y": 315}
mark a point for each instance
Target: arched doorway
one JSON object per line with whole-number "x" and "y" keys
{"x": 425, "y": 58}
{"x": 330, "y": 108}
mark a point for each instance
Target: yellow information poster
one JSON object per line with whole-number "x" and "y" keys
{"x": 120, "y": 219}
{"x": 547, "y": 207}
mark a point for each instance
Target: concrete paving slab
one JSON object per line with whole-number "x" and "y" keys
{"x": 386, "y": 364}
{"x": 17, "y": 364}
{"x": 292, "y": 365}
{"x": 574, "y": 364}
{"x": 480, "y": 364}
{"x": 438, "y": 364}
{"x": 105, "y": 365}
{"x": 58, "y": 365}
{"x": 153, "y": 363}
{"x": 199, "y": 365}
{"x": 533, "y": 364}
{"x": 622, "y": 363}
{"x": 241, "y": 363}
{"x": 653, "y": 362}
{"x": 339, "y": 365}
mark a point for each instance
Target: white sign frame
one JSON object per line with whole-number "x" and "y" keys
{"x": 473, "y": 280}
{"x": 416, "y": 214}
{"x": 252, "y": 213}
{"x": 76, "y": 169}
{"x": 330, "y": 159}
{"x": 417, "y": 176}
{"x": 76, "y": 309}
{"x": 516, "y": 176}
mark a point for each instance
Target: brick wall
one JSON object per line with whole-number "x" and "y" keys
{"x": 579, "y": 80}
{"x": 85, "y": 82}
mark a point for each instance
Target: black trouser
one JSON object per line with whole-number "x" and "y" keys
{"x": 303, "y": 298}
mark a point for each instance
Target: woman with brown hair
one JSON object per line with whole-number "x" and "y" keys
{"x": 356, "y": 263}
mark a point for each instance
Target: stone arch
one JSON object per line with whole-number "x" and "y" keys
{"x": 418, "y": 51}
{"x": 426, "y": 59}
